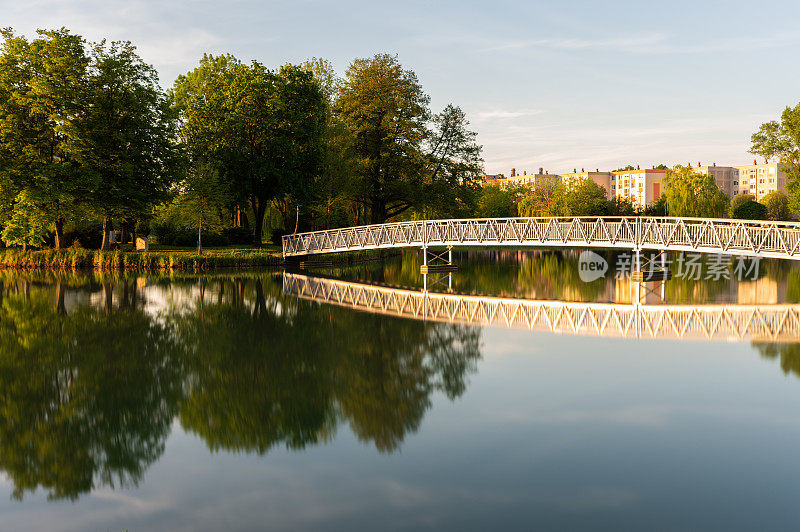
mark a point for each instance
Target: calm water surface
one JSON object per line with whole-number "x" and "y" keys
{"x": 218, "y": 402}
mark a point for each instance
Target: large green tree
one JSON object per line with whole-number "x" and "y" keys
{"x": 586, "y": 198}
{"x": 781, "y": 140}
{"x": 406, "y": 157}
{"x": 693, "y": 194}
{"x": 740, "y": 199}
{"x": 262, "y": 129}
{"x": 495, "y": 201}
{"x": 125, "y": 133}
{"x": 203, "y": 192}
{"x": 777, "y": 205}
{"x": 548, "y": 197}
{"x": 40, "y": 82}
{"x": 331, "y": 201}
{"x": 751, "y": 210}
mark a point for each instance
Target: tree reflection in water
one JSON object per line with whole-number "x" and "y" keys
{"x": 787, "y": 353}
{"x": 86, "y": 396}
{"x": 264, "y": 371}
{"x": 89, "y": 386}
{"x": 94, "y": 370}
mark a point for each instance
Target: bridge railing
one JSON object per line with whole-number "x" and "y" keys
{"x": 710, "y": 322}
{"x": 735, "y": 237}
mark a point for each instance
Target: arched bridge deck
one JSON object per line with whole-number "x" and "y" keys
{"x": 732, "y": 237}
{"x": 775, "y": 323}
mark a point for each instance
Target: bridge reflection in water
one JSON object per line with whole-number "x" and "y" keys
{"x": 777, "y": 323}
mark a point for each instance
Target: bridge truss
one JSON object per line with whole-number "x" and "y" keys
{"x": 698, "y": 322}
{"x": 725, "y": 236}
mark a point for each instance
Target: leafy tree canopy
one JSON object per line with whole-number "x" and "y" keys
{"x": 781, "y": 140}
{"x": 751, "y": 210}
{"x": 777, "y": 206}
{"x": 695, "y": 195}
{"x": 404, "y": 155}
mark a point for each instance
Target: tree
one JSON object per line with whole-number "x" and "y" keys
{"x": 385, "y": 112}
{"x": 586, "y": 198}
{"x": 405, "y": 157}
{"x": 497, "y": 202}
{"x": 622, "y": 207}
{"x": 777, "y": 205}
{"x": 453, "y": 165}
{"x": 29, "y": 223}
{"x": 740, "y": 199}
{"x": 202, "y": 197}
{"x": 657, "y": 208}
{"x": 693, "y": 194}
{"x": 262, "y": 129}
{"x": 781, "y": 141}
{"x": 751, "y": 210}
{"x": 40, "y": 82}
{"x": 302, "y": 119}
{"x": 546, "y": 198}
{"x": 124, "y": 134}
{"x": 204, "y": 191}
{"x": 332, "y": 188}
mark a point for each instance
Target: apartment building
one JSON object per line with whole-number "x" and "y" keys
{"x": 527, "y": 179}
{"x": 726, "y": 177}
{"x": 641, "y": 187}
{"x": 492, "y": 179}
{"x": 604, "y": 179}
{"x": 760, "y": 179}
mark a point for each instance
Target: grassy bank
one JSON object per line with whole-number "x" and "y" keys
{"x": 171, "y": 259}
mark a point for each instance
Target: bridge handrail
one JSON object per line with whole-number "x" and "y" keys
{"x": 788, "y": 224}
{"x": 706, "y": 321}
{"x": 732, "y": 236}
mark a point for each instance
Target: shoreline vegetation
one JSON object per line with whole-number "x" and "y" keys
{"x": 172, "y": 259}
{"x": 157, "y": 260}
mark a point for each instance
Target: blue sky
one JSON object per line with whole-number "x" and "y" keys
{"x": 557, "y": 85}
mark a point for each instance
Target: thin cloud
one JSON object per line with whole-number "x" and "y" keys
{"x": 503, "y": 114}
{"x": 658, "y": 43}
{"x": 631, "y": 44}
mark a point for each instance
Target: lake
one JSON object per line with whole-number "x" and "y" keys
{"x": 299, "y": 400}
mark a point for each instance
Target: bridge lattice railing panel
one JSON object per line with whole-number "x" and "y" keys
{"x": 712, "y": 322}
{"x": 734, "y": 237}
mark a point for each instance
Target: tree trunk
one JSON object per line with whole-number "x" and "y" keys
{"x": 59, "y": 232}
{"x": 296, "y": 218}
{"x": 259, "y": 209}
{"x": 104, "y": 244}
{"x": 377, "y": 213}
{"x": 200, "y": 234}
{"x": 124, "y": 237}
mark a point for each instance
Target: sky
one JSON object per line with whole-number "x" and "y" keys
{"x": 556, "y": 85}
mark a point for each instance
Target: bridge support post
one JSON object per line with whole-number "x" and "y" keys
{"x": 437, "y": 261}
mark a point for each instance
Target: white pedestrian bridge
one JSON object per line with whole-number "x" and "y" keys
{"x": 772, "y": 323}
{"x": 724, "y": 236}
